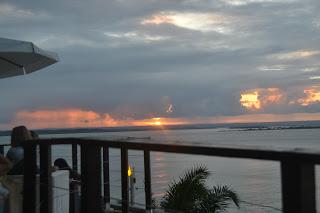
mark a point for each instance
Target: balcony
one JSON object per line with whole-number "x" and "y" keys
{"x": 297, "y": 171}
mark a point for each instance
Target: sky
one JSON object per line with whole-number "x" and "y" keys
{"x": 154, "y": 62}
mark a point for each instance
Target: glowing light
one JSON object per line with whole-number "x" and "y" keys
{"x": 129, "y": 171}
{"x": 250, "y": 100}
{"x": 312, "y": 96}
{"x": 156, "y": 122}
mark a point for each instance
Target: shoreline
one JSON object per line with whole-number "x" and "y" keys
{"x": 227, "y": 126}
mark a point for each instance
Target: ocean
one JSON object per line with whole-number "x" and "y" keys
{"x": 257, "y": 182}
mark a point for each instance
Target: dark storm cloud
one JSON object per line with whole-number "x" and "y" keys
{"x": 111, "y": 62}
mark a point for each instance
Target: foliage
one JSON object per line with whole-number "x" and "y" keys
{"x": 190, "y": 194}
{"x": 218, "y": 199}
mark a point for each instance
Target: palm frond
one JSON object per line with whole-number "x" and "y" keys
{"x": 183, "y": 195}
{"x": 190, "y": 194}
{"x": 218, "y": 199}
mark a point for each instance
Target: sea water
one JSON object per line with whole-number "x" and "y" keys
{"x": 257, "y": 182}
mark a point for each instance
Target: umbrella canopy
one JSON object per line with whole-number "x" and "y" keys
{"x": 21, "y": 57}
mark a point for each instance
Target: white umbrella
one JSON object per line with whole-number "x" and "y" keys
{"x": 21, "y": 57}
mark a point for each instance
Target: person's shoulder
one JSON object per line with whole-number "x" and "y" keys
{"x": 15, "y": 154}
{"x": 17, "y": 149}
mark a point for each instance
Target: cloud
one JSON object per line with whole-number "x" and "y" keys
{"x": 246, "y": 2}
{"x": 311, "y": 68}
{"x": 204, "y": 22}
{"x": 278, "y": 67}
{"x": 11, "y": 10}
{"x": 63, "y": 118}
{"x": 314, "y": 77}
{"x": 78, "y": 118}
{"x": 300, "y": 54}
{"x": 136, "y": 36}
{"x": 260, "y": 98}
{"x": 312, "y": 96}
{"x": 122, "y": 57}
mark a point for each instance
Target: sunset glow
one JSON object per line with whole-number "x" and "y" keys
{"x": 256, "y": 100}
{"x": 312, "y": 96}
{"x": 155, "y": 122}
{"x": 77, "y": 118}
{"x": 250, "y": 100}
{"x": 67, "y": 117}
{"x": 259, "y": 98}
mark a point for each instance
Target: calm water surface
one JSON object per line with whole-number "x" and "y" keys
{"x": 257, "y": 182}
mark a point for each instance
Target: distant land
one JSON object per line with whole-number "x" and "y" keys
{"x": 229, "y": 126}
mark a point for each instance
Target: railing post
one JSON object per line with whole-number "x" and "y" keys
{"x": 29, "y": 177}
{"x": 298, "y": 187}
{"x": 75, "y": 157}
{"x": 147, "y": 180}
{"x": 45, "y": 178}
{"x": 2, "y": 149}
{"x": 106, "y": 177}
{"x": 124, "y": 180}
{"x": 73, "y": 187}
{"x": 90, "y": 178}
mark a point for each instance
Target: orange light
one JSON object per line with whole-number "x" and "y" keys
{"x": 129, "y": 171}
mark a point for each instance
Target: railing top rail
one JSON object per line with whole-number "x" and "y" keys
{"x": 5, "y": 144}
{"x": 251, "y": 152}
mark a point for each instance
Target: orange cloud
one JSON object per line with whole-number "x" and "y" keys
{"x": 72, "y": 118}
{"x": 312, "y": 96}
{"x": 258, "y": 98}
{"x": 64, "y": 118}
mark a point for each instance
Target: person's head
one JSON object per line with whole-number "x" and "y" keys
{"x": 61, "y": 164}
{"x": 19, "y": 134}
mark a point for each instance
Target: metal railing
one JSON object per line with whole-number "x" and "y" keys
{"x": 297, "y": 171}
{"x": 2, "y": 146}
